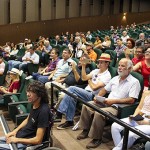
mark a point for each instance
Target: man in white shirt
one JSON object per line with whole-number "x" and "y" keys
{"x": 124, "y": 37}
{"x": 123, "y": 88}
{"x": 62, "y": 70}
{"x": 97, "y": 79}
{"x": 29, "y": 57}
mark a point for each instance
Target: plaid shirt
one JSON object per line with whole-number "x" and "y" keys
{"x": 52, "y": 65}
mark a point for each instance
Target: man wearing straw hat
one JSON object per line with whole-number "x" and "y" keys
{"x": 123, "y": 88}
{"x": 97, "y": 79}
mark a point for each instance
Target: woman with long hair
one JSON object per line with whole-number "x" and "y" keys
{"x": 14, "y": 83}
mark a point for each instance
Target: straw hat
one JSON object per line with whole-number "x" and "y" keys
{"x": 105, "y": 57}
{"x": 15, "y": 71}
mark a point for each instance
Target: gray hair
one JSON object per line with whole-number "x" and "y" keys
{"x": 129, "y": 64}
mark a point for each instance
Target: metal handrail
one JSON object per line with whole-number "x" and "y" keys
{"x": 106, "y": 114}
{"x": 6, "y": 130}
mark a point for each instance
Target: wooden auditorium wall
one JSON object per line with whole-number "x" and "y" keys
{"x": 18, "y": 32}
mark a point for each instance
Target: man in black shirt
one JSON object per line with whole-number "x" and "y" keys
{"x": 34, "y": 129}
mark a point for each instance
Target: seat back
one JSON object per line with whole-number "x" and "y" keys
{"x": 21, "y": 52}
{"x": 92, "y": 66}
{"x": 76, "y": 60}
{"x": 22, "y": 82}
{"x": 113, "y": 71}
{"x": 33, "y": 68}
{"x": 129, "y": 109}
{"x": 141, "y": 80}
{"x": 23, "y": 95}
{"x": 98, "y": 52}
{"x": 122, "y": 55}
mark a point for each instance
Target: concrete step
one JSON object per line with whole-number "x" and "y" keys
{"x": 68, "y": 141}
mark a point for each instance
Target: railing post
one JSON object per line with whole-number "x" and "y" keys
{"x": 125, "y": 139}
{"x": 52, "y": 97}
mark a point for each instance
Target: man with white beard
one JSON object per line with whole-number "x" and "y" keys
{"x": 123, "y": 89}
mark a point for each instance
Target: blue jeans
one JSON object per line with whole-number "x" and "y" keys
{"x": 41, "y": 78}
{"x": 5, "y": 146}
{"x": 36, "y": 75}
{"x": 68, "y": 104}
{"x": 13, "y": 64}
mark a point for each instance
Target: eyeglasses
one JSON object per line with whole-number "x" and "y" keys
{"x": 138, "y": 52}
{"x": 147, "y": 53}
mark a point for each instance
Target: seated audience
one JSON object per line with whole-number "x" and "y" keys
{"x": 43, "y": 75}
{"x": 88, "y": 36}
{"x": 35, "y": 128}
{"x": 142, "y": 125}
{"x": 13, "y": 53}
{"x": 62, "y": 70}
{"x": 74, "y": 78}
{"x": 130, "y": 50}
{"x": 120, "y": 48}
{"x": 139, "y": 55}
{"x": 57, "y": 40}
{"x": 77, "y": 50}
{"x": 147, "y": 43}
{"x": 65, "y": 41}
{"x": 123, "y": 89}
{"x": 14, "y": 83}
{"x": 105, "y": 44}
{"x": 144, "y": 66}
{"x": 124, "y": 37}
{"x": 97, "y": 79}
{"x": 5, "y": 50}
{"x": 91, "y": 53}
{"x": 2, "y": 65}
{"x": 97, "y": 41}
{"x": 83, "y": 46}
{"x": 28, "y": 44}
{"x": 130, "y": 45}
{"x": 140, "y": 41}
{"x": 29, "y": 57}
{"x": 114, "y": 37}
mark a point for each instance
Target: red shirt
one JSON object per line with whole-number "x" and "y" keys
{"x": 145, "y": 71}
{"x": 136, "y": 60}
{"x": 14, "y": 86}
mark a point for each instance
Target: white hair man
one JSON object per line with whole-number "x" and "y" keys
{"x": 123, "y": 88}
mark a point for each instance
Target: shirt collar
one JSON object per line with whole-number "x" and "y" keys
{"x": 128, "y": 78}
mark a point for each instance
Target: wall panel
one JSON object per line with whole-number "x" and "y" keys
{"x": 4, "y": 11}
{"x": 144, "y": 5}
{"x": 85, "y": 8}
{"x": 46, "y": 9}
{"x": 16, "y": 11}
{"x": 32, "y": 10}
{"x": 60, "y": 9}
{"x": 74, "y": 8}
{"x": 96, "y": 7}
